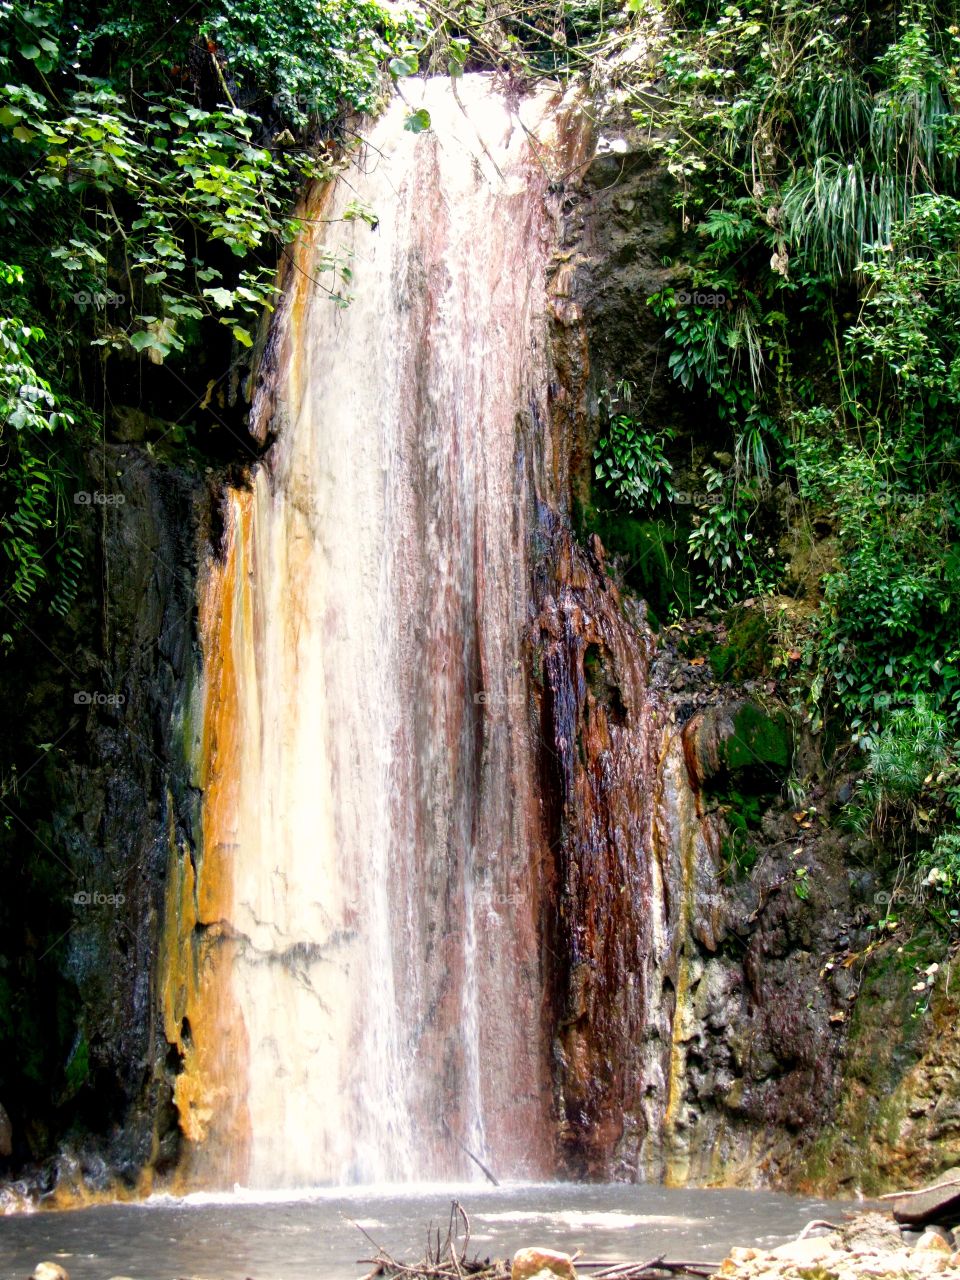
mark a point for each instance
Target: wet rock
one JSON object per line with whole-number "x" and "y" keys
{"x": 868, "y": 1247}
{"x": 116, "y": 804}
{"x": 49, "y": 1271}
{"x": 933, "y": 1242}
{"x": 809, "y": 1252}
{"x": 744, "y": 1255}
{"x": 6, "y": 1134}
{"x": 941, "y": 1199}
{"x": 872, "y": 1233}
{"x": 541, "y": 1264}
{"x": 736, "y": 736}
{"x": 129, "y": 424}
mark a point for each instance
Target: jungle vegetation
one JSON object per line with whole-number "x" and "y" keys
{"x": 815, "y": 149}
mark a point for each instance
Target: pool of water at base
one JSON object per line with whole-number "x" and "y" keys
{"x": 317, "y": 1235}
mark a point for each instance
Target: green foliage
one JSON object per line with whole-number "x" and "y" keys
{"x": 939, "y": 869}
{"x": 815, "y": 152}
{"x": 150, "y": 161}
{"x": 738, "y": 847}
{"x": 303, "y": 59}
{"x": 542, "y": 38}
{"x": 836, "y": 209}
{"x": 147, "y": 196}
{"x": 909, "y": 330}
{"x": 148, "y": 172}
{"x": 418, "y": 121}
{"x": 723, "y": 542}
{"x": 910, "y": 793}
{"x": 886, "y": 626}
{"x": 722, "y": 353}
{"x": 902, "y": 759}
{"x": 801, "y": 882}
{"x": 36, "y": 528}
{"x": 630, "y": 458}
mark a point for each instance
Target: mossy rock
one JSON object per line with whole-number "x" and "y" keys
{"x": 747, "y": 652}
{"x": 651, "y": 556}
{"x": 759, "y": 738}
{"x": 77, "y": 1071}
{"x": 741, "y": 740}
{"x": 866, "y": 1146}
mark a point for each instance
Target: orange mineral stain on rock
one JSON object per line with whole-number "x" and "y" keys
{"x": 199, "y": 1014}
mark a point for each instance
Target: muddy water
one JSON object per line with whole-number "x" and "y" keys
{"x": 314, "y": 1237}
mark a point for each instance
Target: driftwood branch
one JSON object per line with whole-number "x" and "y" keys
{"x": 452, "y": 1268}
{"x": 814, "y": 1225}
{"x": 655, "y": 1267}
{"x": 447, "y": 1260}
{"x": 952, "y": 1179}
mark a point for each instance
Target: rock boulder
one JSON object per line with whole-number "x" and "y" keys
{"x": 542, "y": 1264}
{"x": 938, "y": 1202}
{"x": 49, "y": 1271}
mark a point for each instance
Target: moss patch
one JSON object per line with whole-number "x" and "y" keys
{"x": 746, "y": 653}
{"x": 758, "y": 739}
{"x": 649, "y": 556}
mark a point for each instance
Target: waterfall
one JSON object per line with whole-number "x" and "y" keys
{"x": 367, "y": 986}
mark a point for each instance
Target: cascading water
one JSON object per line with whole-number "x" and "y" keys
{"x": 368, "y": 901}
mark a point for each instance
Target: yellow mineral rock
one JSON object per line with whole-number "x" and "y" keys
{"x": 542, "y": 1264}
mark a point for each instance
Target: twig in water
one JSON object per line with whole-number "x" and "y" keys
{"x": 466, "y": 1150}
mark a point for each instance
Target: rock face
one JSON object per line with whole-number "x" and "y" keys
{"x": 897, "y": 1119}
{"x": 6, "y": 1134}
{"x": 134, "y": 796}
{"x": 109, "y": 688}
{"x": 599, "y": 750}
{"x": 736, "y": 1025}
{"x": 696, "y": 1037}
{"x": 736, "y": 735}
{"x": 696, "y": 1034}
